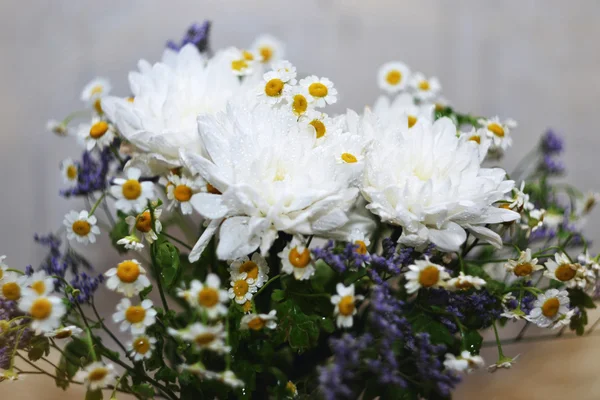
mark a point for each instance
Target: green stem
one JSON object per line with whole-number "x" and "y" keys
{"x": 268, "y": 283}
{"x": 173, "y": 238}
{"x": 113, "y": 337}
{"x": 96, "y": 204}
{"x": 154, "y": 262}
{"x": 498, "y": 343}
{"x": 88, "y": 332}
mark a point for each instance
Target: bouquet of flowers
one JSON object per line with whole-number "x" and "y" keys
{"x": 270, "y": 250}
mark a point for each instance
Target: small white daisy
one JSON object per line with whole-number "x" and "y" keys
{"x": 269, "y": 48}
{"x": 57, "y": 127}
{"x": 393, "y": 76}
{"x": 360, "y": 239}
{"x": 69, "y": 170}
{"x": 180, "y": 191}
{"x": 520, "y": 200}
{"x": 425, "y": 274}
{"x": 256, "y": 268}
{"x": 274, "y": 89}
{"x": 3, "y": 267}
{"x": 479, "y": 138}
{"x": 98, "y": 133}
{"x": 549, "y": 307}
{"x": 318, "y": 124}
{"x": 524, "y": 266}
{"x": 465, "y": 362}
{"x": 131, "y": 194}
{"x": 204, "y": 337}
{"x": 320, "y": 90}
{"x": 499, "y": 132}
{"x": 230, "y": 379}
{"x": 143, "y": 224}
{"x": 46, "y": 311}
{"x": 587, "y": 260}
{"x": 13, "y": 285}
{"x": 464, "y": 282}
{"x": 81, "y": 227}
{"x": 64, "y": 333}
{"x": 97, "y": 375}
{"x": 291, "y": 389}
{"x": 242, "y": 288}
{"x": 137, "y": 318}
{"x": 425, "y": 89}
{"x": 97, "y": 88}
{"x": 516, "y": 314}
{"x": 564, "y": 270}
{"x": 141, "y": 347}
{"x": 297, "y": 100}
{"x": 41, "y": 283}
{"x": 585, "y": 204}
{"x": 129, "y": 278}
{"x": 286, "y": 71}
{"x": 257, "y": 322}
{"x": 131, "y": 242}
{"x": 296, "y": 259}
{"x": 345, "y": 307}
{"x": 208, "y": 296}
{"x": 241, "y": 61}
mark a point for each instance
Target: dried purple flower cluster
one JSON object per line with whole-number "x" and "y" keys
{"x": 92, "y": 172}
{"x": 18, "y": 338}
{"x": 197, "y": 34}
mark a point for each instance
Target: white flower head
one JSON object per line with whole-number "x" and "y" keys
{"x": 345, "y": 305}
{"x": 585, "y": 204}
{"x": 297, "y": 101}
{"x": 477, "y": 138}
{"x": 257, "y": 322}
{"x": 131, "y": 194}
{"x": 180, "y": 190}
{"x": 550, "y": 307}
{"x": 143, "y": 224}
{"x": 69, "y": 170}
{"x": 425, "y": 274}
{"x": 524, "y": 266}
{"x": 256, "y": 268}
{"x": 241, "y": 62}
{"x": 128, "y": 278}
{"x": 12, "y": 285}
{"x": 393, "y": 76}
{"x": 318, "y": 124}
{"x": 230, "y": 379}
{"x": 499, "y": 132}
{"x": 131, "y": 242}
{"x": 562, "y": 269}
{"x": 208, "y": 296}
{"x": 360, "y": 239}
{"x": 41, "y": 283}
{"x": 135, "y": 317}
{"x": 520, "y": 200}
{"x": 3, "y": 267}
{"x": 269, "y": 48}
{"x": 425, "y": 89}
{"x": 320, "y": 90}
{"x": 64, "y": 333}
{"x": 242, "y": 288}
{"x": 204, "y": 337}
{"x": 141, "y": 347}
{"x": 96, "y": 89}
{"x": 465, "y": 362}
{"x": 45, "y": 311}
{"x": 296, "y": 260}
{"x": 465, "y": 282}
{"x": 274, "y": 89}
{"x": 81, "y": 227}
{"x": 97, "y": 375}
{"x": 97, "y": 133}
{"x": 589, "y": 261}
{"x": 401, "y": 112}
{"x": 57, "y": 127}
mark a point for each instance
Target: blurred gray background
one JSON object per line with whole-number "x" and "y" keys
{"x": 534, "y": 61}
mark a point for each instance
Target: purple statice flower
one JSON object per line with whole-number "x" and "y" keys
{"x": 340, "y": 258}
{"x": 552, "y": 143}
{"x": 478, "y": 306}
{"x": 5, "y": 357}
{"x": 551, "y": 165}
{"x": 86, "y": 285}
{"x": 429, "y": 364}
{"x": 8, "y": 341}
{"x": 197, "y": 34}
{"x": 542, "y": 233}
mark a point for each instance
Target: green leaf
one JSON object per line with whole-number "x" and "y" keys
{"x": 166, "y": 374}
{"x": 439, "y": 333}
{"x": 144, "y": 390}
{"x": 167, "y": 258}
{"x": 118, "y": 232}
{"x": 40, "y": 346}
{"x": 327, "y": 325}
{"x": 94, "y": 395}
{"x": 278, "y": 295}
{"x": 472, "y": 341}
{"x": 580, "y": 299}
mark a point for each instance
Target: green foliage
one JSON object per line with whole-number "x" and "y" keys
{"x": 167, "y": 258}
{"x": 144, "y": 390}
{"x": 38, "y": 348}
{"x": 422, "y": 322}
{"x": 119, "y": 231}
{"x": 75, "y": 353}
{"x": 94, "y": 395}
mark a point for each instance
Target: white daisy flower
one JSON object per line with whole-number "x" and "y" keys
{"x": 256, "y": 268}
{"x": 208, "y": 296}
{"x": 520, "y": 200}
{"x": 131, "y": 194}
{"x": 129, "y": 278}
{"x": 516, "y": 314}
{"x": 320, "y": 90}
{"x": 524, "y": 266}
{"x": 425, "y": 89}
{"x": 57, "y": 127}
{"x": 360, "y": 239}
{"x": 69, "y": 170}
{"x": 64, "y": 333}
{"x": 296, "y": 259}
{"x": 549, "y": 307}
{"x": 46, "y": 311}
{"x": 585, "y": 259}
{"x": 345, "y": 307}
{"x": 401, "y": 111}
{"x": 499, "y": 132}
{"x": 318, "y": 124}
{"x": 533, "y": 220}
{"x": 479, "y": 139}
{"x": 204, "y": 337}
{"x": 274, "y": 89}
{"x": 297, "y": 101}
{"x": 257, "y": 322}
{"x": 131, "y": 242}
{"x": 230, "y": 379}
{"x": 241, "y": 62}
{"x": 286, "y": 71}
{"x": 81, "y": 227}
{"x": 564, "y": 270}
{"x": 584, "y": 205}
{"x": 242, "y": 288}
{"x": 3, "y": 267}
{"x": 270, "y": 48}
{"x": 97, "y": 375}
{"x": 141, "y": 347}
{"x": 180, "y": 191}
{"x": 13, "y": 285}
{"x": 425, "y": 274}
{"x": 393, "y": 76}
{"x": 143, "y": 224}
{"x": 137, "y": 318}
{"x": 41, "y": 283}
{"x": 349, "y": 149}
{"x": 98, "y": 133}
{"x": 465, "y": 362}
{"x": 504, "y": 362}
{"x": 465, "y": 282}
{"x": 95, "y": 90}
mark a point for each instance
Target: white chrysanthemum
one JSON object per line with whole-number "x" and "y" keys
{"x": 242, "y": 288}
{"x": 425, "y": 274}
{"x": 393, "y": 76}
{"x": 401, "y": 111}
{"x": 270, "y": 48}
{"x": 141, "y": 347}
{"x": 131, "y": 194}
{"x": 180, "y": 190}
{"x": 208, "y": 296}
{"x": 45, "y": 311}
{"x": 41, "y": 283}
{"x": 464, "y": 282}
{"x": 143, "y": 224}
{"x": 69, "y": 170}
{"x": 135, "y": 318}
{"x": 423, "y": 88}
{"x": 13, "y": 285}
{"x": 256, "y": 322}
{"x": 524, "y": 266}
{"x": 465, "y": 362}
{"x": 499, "y": 132}
{"x": 272, "y": 178}
{"x": 204, "y": 337}
{"x": 551, "y": 306}
{"x": 320, "y": 90}
{"x": 296, "y": 260}
{"x": 431, "y": 183}
{"x": 564, "y": 270}
{"x": 97, "y": 375}
{"x": 81, "y": 227}
{"x": 129, "y": 278}
{"x": 168, "y": 97}
{"x": 256, "y": 268}
{"x": 64, "y": 333}
{"x": 345, "y": 305}
{"x": 98, "y": 133}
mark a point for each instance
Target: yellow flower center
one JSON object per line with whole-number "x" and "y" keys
{"x": 98, "y": 89}
{"x": 204, "y": 339}
{"x": 182, "y": 193}
{"x": 98, "y": 130}
{"x": 523, "y": 269}
{"x": 393, "y": 77}
{"x": 349, "y": 158}
{"x": 63, "y": 334}
{"x": 429, "y": 276}
{"x": 266, "y": 53}
{"x": 208, "y": 297}
{"x": 319, "y": 127}
{"x": 424, "y": 85}
{"x": 412, "y": 120}
{"x": 274, "y": 87}
{"x": 97, "y": 374}
{"x": 71, "y": 172}
{"x": 143, "y": 222}
{"x": 240, "y": 288}
{"x": 564, "y": 272}
{"x": 475, "y": 139}
{"x": 299, "y": 105}
{"x": 256, "y": 324}
{"x": 550, "y": 307}
{"x": 247, "y": 55}
{"x": 211, "y": 189}
{"x": 98, "y": 106}
{"x": 362, "y": 247}
{"x": 346, "y": 305}
{"x": 463, "y": 285}
{"x": 251, "y": 268}
{"x": 81, "y": 227}
{"x": 496, "y": 129}
{"x": 141, "y": 345}
{"x": 239, "y": 65}
{"x": 131, "y": 189}
{"x": 39, "y": 287}
{"x": 128, "y": 271}
{"x": 130, "y": 99}
{"x": 247, "y": 306}
{"x": 290, "y": 387}
{"x": 135, "y": 314}
{"x": 11, "y": 291}
{"x": 317, "y": 89}
{"x": 41, "y": 308}
{"x": 1, "y": 273}
{"x": 299, "y": 260}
